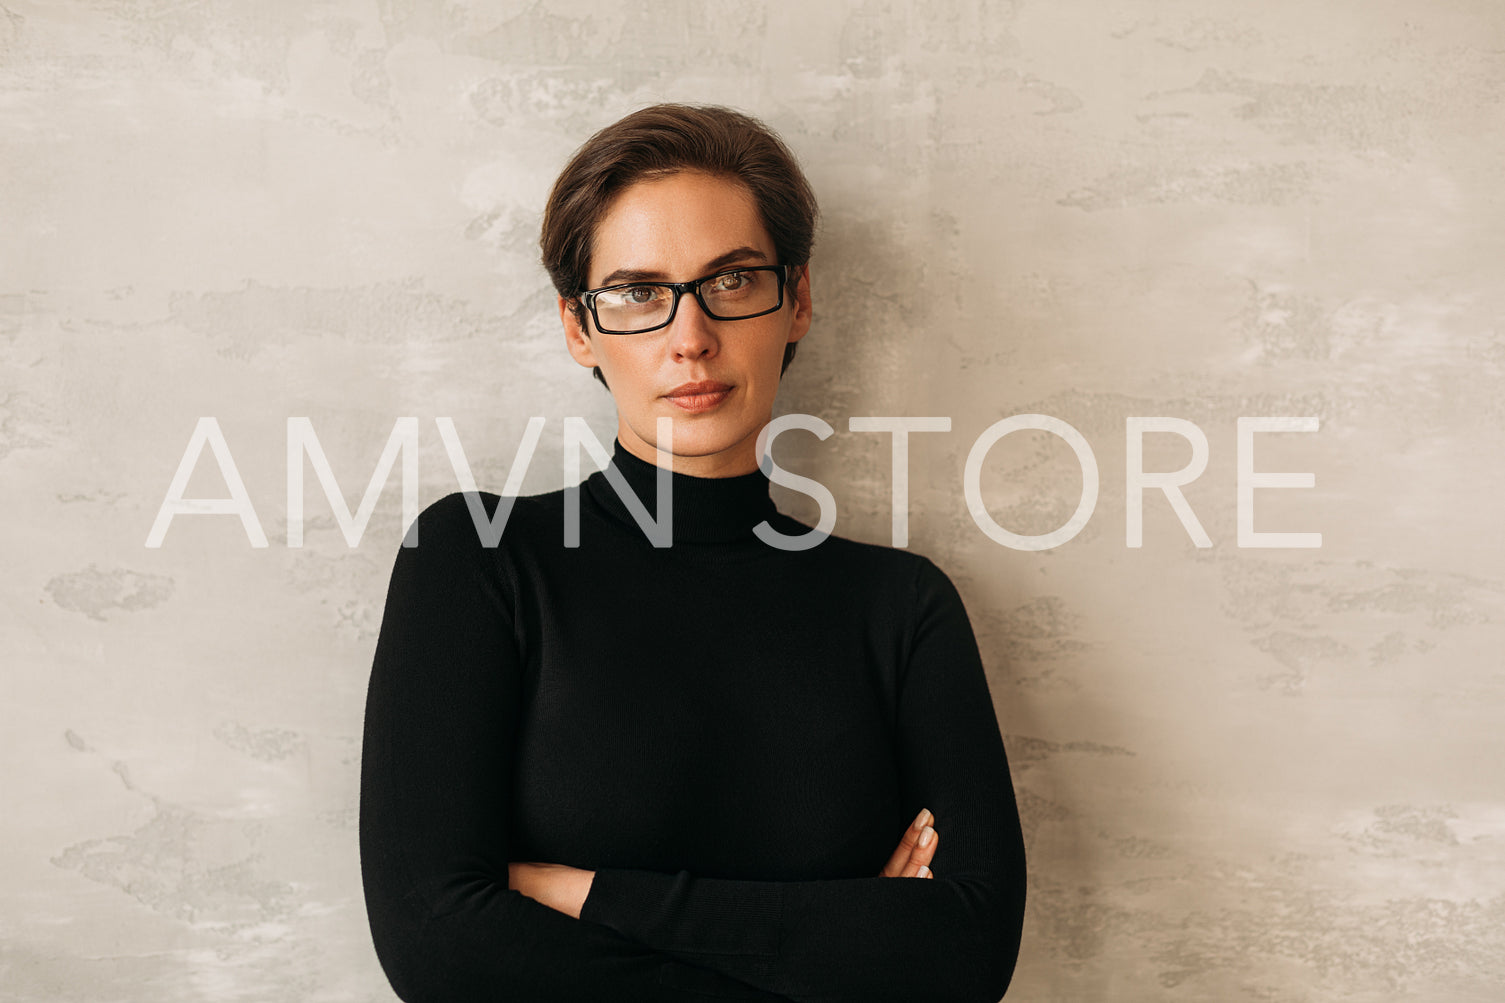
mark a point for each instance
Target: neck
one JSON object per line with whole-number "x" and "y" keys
{"x": 705, "y": 509}
{"x": 740, "y": 459}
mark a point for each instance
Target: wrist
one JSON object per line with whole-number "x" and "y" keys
{"x": 583, "y": 881}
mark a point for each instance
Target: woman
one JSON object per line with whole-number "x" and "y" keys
{"x": 616, "y": 770}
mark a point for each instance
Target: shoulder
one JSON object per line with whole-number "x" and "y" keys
{"x": 913, "y": 575}
{"x": 469, "y": 543}
{"x": 466, "y": 519}
{"x": 905, "y": 597}
{"x": 476, "y": 536}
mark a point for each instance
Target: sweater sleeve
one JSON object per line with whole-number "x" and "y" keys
{"x": 441, "y": 713}
{"x": 954, "y": 937}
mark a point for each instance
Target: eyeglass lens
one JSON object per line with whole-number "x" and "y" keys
{"x": 727, "y": 296}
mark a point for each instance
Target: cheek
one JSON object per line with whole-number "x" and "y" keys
{"x": 626, "y": 362}
{"x": 771, "y": 350}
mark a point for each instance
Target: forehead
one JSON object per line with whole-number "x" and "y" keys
{"x": 675, "y": 225}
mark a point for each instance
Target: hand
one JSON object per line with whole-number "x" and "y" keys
{"x": 558, "y": 886}
{"x": 916, "y": 850}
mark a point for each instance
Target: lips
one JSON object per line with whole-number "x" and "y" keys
{"x": 701, "y": 396}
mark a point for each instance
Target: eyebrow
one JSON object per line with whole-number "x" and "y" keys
{"x": 739, "y": 254}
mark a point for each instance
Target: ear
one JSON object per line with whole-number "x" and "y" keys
{"x": 576, "y": 338}
{"x": 803, "y": 312}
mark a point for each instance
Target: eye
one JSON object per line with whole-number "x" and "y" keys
{"x": 640, "y": 295}
{"x": 730, "y": 282}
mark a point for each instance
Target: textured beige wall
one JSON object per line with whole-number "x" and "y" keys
{"x": 1246, "y": 774}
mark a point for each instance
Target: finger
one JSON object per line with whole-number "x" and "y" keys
{"x": 900, "y": 857}
{"x": 922, "y": 854}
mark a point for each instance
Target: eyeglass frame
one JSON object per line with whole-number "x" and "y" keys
{"x": 588, "y": 297}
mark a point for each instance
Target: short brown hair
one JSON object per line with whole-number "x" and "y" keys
{"x": 666, "y": 139}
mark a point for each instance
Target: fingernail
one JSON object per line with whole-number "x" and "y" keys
{"x": 926, "y": 836}
{"x": 921, "y": 818}
{"x": 924, "y": 872}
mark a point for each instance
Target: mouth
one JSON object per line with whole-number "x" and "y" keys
{"x": 700, "y": 396}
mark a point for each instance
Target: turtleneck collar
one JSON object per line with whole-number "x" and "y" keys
{"x": 706, "y": 509}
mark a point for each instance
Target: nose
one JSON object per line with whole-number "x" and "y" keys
{"x": 691, "y": 334}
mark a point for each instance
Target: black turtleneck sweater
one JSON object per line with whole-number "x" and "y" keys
{"x": 731, "y": 735}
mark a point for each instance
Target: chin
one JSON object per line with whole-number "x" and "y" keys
{"x": 701, "y": 438}
{"x": 688, "y": 443}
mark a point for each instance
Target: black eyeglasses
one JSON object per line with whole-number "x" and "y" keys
{"x": 733, "y": 294}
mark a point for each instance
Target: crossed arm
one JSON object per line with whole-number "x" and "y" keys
{"x": 455, "y": 918}
{"x": 564, "y": 888}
